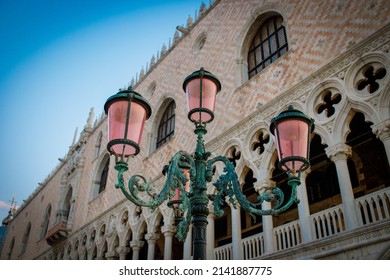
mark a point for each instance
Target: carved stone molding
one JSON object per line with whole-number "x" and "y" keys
{"x": 382, "y": 130}
{"x": 339, "y": 152}
{"x": 152, "y": 237}
{"x": 136, "y": 244}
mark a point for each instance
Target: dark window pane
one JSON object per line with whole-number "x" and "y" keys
{"x": 167, "y": 125}
{"x": 268, "y": 44}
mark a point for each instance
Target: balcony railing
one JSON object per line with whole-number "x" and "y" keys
{"x": 374, "y": 207}
{"x": 371, "y": 208}
{"x": 253, "y": 246}
{"x": 224, "y": 252}
{"x": 328, "y": 222}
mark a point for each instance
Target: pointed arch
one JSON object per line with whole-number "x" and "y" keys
{"x": 101, "y": 175}
{"x": 25, "y": 239}
{"x": 66, "y": 205}
{"x": 163, "y": 125}
{"x": 369, "y": 158}
{"x": 45, "y": 222}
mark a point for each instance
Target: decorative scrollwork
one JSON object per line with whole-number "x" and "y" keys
{"x": 190, "y": 200}
{"x": 228, "y": 185}
{"x": 137, "y": 184}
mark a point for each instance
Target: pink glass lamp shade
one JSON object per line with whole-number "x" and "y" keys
{"x": 127, "y": 111}
{"x": 201, "y": 88}
{"x": 176, "y": 200}
{"x": 292, "y": 131}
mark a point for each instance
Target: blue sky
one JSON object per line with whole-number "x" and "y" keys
{"x": 57, "y": 60}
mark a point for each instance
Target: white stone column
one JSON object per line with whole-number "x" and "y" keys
{"x": 168, "y": 232}
{"x": 187, "y": 248}
{"x": 236, "y": 231}
{"x": 151, "y": 238}
{"x": 269, "y": 243}
{"x": 382, "y": 131}
{"x": 136, "y": 246}
{"x": 210, "y": 234}
{"x": 304, "y": 210}
{"x": 339, "y": 154}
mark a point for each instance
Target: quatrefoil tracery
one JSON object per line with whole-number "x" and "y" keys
{"x": 329, "y": 100}
{"x": 261, "y": 140}
{"x": 370, "y": 80}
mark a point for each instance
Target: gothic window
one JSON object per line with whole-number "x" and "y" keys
{"x": 166, "y": 127}
{"x": 104, "y": 176}
{"x": 322, "y": 182}
{"x": 94, "y": 253}
{"x": 25, "y": 239}
{"x": 92, "y": 238}
{"x": 268, "y": 44}
{"x": 368, "y": 156}
{"x": 104, "y": 251}
{"x": 235, "y": 156}
{"x": 65, "y": 212}
{"x": 45, "y": 224}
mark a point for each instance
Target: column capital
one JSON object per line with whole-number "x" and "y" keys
{"x": 340, "y": 151}
{"x": 382, "y": 130}
{"x": 168, "y": 229}
{"x": 136, "y": 244}
{"x": 152, "y": 237}
{"x": 263, "y": 184}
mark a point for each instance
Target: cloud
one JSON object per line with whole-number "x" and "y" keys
{"x": 4, "y": 205}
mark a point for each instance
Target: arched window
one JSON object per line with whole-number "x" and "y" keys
{"x": 370, "y": 163}
{"x": 45, "y": 224}
{"x": 166, "y": 127}
{"x": 64, "y": 213}
{"x": 104, "y": 176}
{"x": 322, "y": 183}
{"x": 25, "y": 239}
{"x": 268, "y": 44}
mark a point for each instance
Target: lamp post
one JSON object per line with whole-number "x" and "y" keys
{"x": 187, "y": 175}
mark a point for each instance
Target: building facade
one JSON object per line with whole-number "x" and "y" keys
{"x": 329, "y": 59}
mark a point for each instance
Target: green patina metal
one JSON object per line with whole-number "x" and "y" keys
{"x": 192, "y": 207}
{"x": 190, "y": 204}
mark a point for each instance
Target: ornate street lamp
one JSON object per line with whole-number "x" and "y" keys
{"x": 185, "y": 189}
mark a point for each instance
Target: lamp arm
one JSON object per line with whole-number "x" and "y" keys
{"x": 175, "y": 172}
{"x": 137, "y": 183}
{"x": 183, "y": 226}
{"x": 228, "y": 185}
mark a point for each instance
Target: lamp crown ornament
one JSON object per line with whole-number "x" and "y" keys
{"x": 188, "y": 175}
